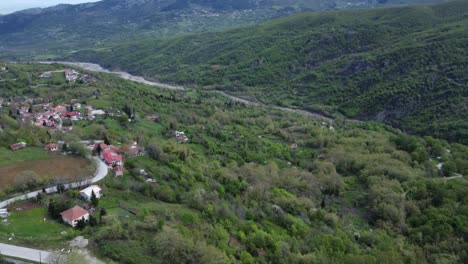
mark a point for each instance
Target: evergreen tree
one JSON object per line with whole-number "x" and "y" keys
{"x": 92, "y": 221}
{"x": 80, "y": 225}
{"x": 94, "y": 199}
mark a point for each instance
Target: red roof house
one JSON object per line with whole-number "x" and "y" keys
{"x": 51, "y": 147}
{"x": 60, "y": 109}
{"x": 73, "y": 215}
{"x": 17, "y": 146}
{"x": 111, "y": 157}
{"x": 182, "y": 139}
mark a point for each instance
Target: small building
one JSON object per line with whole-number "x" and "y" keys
{"x": 51, "y": 147}
{"x": 118, "y": 171}
{"x": 73, "y": 215}
{"x": 111, "y": 158}
{"x": 98, "y": 112}
{"x": 17, "y": 146}
{"x": 182, "y": 139}
{"x": 88, "y": 192}
{"x": 4, "y": 213}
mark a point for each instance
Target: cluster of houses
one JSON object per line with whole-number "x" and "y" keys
{"x": 113, "y": 156}
{"x": 71, "y": 75}
{"x": 45, "y": 114}
{"x": 77, "y": 213}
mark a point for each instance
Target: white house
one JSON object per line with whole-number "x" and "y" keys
{"x": 87, "y": 193}
{"x": 73, "y": 215}
{"x": 4, "y": 213}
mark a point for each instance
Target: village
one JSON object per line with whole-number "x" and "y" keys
{"x": 61, "y": 118}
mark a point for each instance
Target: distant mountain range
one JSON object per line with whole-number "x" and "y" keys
{"x": 404, "y": 66}
{"x": 96, "y": 24}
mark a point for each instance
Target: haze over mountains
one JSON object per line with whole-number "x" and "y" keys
{"x": 71, "y": 26}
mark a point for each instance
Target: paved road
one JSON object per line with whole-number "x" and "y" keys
{"x": 25, "y": 253}
{"x": 101, "y": 173}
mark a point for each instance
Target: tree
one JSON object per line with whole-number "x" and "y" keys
{"x": 26, "y": 180}
{"x": 94, "y": 199}
{"x": 102, "y": 213}
{"x": 246, "y": 258}
{"x": 81, "y": 224}
{"x": 92, "y": 221}
{"x": 60, "y": 188}
{"x": 39, "y": 197}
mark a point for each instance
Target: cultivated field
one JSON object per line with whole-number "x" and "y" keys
{"x": 54, "y": 168}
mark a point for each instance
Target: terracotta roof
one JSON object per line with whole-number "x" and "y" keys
{"x": 74, "y": 213}
{"x": 110, "y": 156}
{"x": 50, "y": 146}
{"x": 17, "y": 146}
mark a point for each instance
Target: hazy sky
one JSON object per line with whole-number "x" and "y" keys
{"x": 8, "y": 6}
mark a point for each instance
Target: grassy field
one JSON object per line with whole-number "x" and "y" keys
{"x": 58, "y": 77}
{"x": 8, "y": 157}
{"x": 34, "y": 228}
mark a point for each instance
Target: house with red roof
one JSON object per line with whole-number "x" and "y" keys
{"x": 111, "y": 157}
{"x": 17, "y": 146}
{"x": 60, "y": 109}
{"x": 51, "y": 147}
{"x": 182, "y": 139}
{"x": 73, "y": 215}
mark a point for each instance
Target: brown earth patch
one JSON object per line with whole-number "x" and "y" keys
{"x": 24, "y": 206}
{"x": 69, "y": 168}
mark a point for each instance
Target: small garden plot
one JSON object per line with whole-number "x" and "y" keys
{"x": 70, "y": 168}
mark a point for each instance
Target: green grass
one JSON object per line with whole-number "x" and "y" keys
{"x": 8, "y": 157}
{"x": 58, "y": 77}
{"x": 29, "y": 228}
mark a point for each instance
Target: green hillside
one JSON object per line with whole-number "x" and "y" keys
{"x": 404, "y": 66}
{"x": 62, "y": 28}
{"x": 252, "y": 184}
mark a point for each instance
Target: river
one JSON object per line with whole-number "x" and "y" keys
{"x": 125, "y": 75}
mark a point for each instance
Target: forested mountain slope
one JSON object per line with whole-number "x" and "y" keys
{"x": 403, "y": 66}
{"x": 65, "y": 27}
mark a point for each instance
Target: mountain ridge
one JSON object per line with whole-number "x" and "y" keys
{"x": 92, "y": 24}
